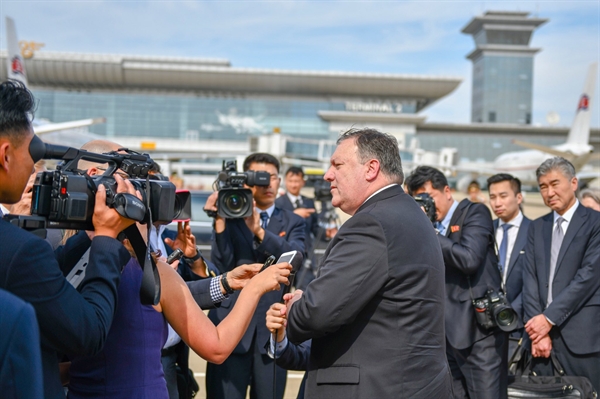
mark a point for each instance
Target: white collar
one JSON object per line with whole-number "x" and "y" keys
{"x": 378, "y": 191}
{"x": 268, "y": 210}
{"x": 568, "y": 214}
{"x": 516, "y": 221}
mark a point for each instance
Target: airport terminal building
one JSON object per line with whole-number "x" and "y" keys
{"x": 165, "y": 104}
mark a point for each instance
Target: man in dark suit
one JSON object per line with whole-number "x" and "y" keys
{"x": 478, "y": 357}
{"x": 269, "y": 231}
{"x": 373, "y": 311}
{"x": 561, "y": 292}
{"x": 70, "y": 322}
{"x": 511, "y": 229}
{"x": 304, "y": 207}
{"x": 20, "y": 359}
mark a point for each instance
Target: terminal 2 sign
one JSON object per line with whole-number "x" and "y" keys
{"x": 386, "y": 107}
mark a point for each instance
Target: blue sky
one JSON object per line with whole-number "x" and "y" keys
{"x": 406, "y": 37}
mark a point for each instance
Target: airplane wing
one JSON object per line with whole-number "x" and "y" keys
{"x": 53, "y": 127}
{"x": 543, "y": 148}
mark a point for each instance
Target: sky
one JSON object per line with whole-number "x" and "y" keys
{"x": 404, "y": 37}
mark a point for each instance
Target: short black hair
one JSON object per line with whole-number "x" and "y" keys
{"x": 424, "y": 174}
{"x": 295, "y": 170}
{"x": 515, "y": 183}
{"x": 17, "y": 106}
{"x": 260, "y": 157}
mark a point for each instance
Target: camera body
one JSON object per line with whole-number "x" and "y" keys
{"x": 321, "y": 188}
{"x": 426, "y": 202}
{"x": 494, "y": 310}
{"x": 234, "y": 200}
{"x": 65, "y": 197}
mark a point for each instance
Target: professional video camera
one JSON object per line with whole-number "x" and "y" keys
{"x": 234, "y": 200}
{"x": 494, "y": 310}
{"x": 322, "y": 189}
{"x": 65, "y": 197}
{"x": 426, "y": 202}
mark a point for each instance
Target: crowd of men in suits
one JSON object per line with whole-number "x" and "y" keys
{"x": 369, "y": 324}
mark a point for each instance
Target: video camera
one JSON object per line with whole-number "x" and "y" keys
{"x": 322, "y": 188}
{"x": 426, "y": 202}
{"x": 494, "y": 310}
{"x": 65, "y": 197}
{"x": 234, "y": 200}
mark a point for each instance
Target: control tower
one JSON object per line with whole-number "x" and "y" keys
{"x": 502, "y": 66}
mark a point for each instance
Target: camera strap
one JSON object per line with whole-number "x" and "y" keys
{"x": 150, "y": 289}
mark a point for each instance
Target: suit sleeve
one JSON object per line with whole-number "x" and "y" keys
{"x": 354, "y": 271}
{"x": 69, "y": 254}
{"x": 200, "y": 290}
{"x": 294, "y": 357}
{"x": 276, "y": 245}
{"x": 469, "y": 253}
{"x": 222, "y": 252}
{"x": 585, "y": 283}
{"x": 531, "y": 293}
{"x": 70, "y": 322}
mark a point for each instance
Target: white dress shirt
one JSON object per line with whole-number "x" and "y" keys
{"x": 512, "y": 237}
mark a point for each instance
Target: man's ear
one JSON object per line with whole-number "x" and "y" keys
{"x": 5, "y": 157}
{"x": 373, "y": 169}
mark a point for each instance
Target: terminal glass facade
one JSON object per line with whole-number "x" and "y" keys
{"x": 188, "y": 116}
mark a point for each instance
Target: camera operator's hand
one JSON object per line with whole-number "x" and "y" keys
{"x": 270, "y": 278}
{"x": 185, "y": 240}
{"x": 239, "y": 277}
{"x": 23, "y": 207}
{"x": 211, "y": 205}
{"x": 276, "y": 320}
{"x": 255, "y": 224}
{"x": 304, "y": 212}
{"x": 537, "y": 327}
{"x": 107, "y": 222}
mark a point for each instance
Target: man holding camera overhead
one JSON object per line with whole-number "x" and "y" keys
{"x": 239, "y": 240}
{"x": 477, "y": 355}
{"x": 70, "y": 322}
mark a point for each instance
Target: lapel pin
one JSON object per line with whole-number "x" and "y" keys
{"x": 454, "y": 229}
{"x": 282, "y": 234}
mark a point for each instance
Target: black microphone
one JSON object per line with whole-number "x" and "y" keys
{"x": 295, "y": 259}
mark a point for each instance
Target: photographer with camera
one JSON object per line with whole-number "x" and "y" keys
{"x": 476, "y": 348}
{"x": 70, "y": 322}
{"x": 247, "y": 234}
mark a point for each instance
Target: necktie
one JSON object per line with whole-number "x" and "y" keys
{"x": 298, "y": 203}
{"x": 264, "y": 216}
{"x": 557, "y": 239}
{"x": 440, "y": 227}
{"x": 504, "y": 247}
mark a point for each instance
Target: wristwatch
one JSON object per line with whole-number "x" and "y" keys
{"x": 193, "y": 258}
{"x": 226, "y": 286}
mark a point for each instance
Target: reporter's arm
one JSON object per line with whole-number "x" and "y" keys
{"x": 212, "y": 343}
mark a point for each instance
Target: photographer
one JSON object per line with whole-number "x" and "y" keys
{"x": 269, "y": 231}
{"x": 477, "y": 355}
{"x": 70, "y": 322}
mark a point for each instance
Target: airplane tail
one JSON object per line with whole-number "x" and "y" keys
{"x": 15, "y": 64}
{"x": 580, "y": 131}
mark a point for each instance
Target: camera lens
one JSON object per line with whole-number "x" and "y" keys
{"x": 235, "y": 203}
{"x": 506, "y": 318}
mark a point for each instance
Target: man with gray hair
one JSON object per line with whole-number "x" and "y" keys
{"x": 561, "y": 292}
{"x": 375, "y": 310}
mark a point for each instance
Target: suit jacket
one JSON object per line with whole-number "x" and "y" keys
{"x": 468, "y": 255}
{"x": 312, "y": 222}
{"x": 295, "y": 357}
{"x": 70, "y": 322}
{"x": 514, "y": 274}
{"x": 373, "y": 312}
{"x": 575, "y": 308}
{"x": 235, "y": 246}
{"x": 20, "y": 358}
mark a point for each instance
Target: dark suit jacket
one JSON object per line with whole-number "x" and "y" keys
{"x": 312, "y": 222}
{"x": 236, "y": 246}
{"x": 575, "y": 308}
{"x": 295, "y": 357}
{"x": 374, "y": 311}
{"x": 472, "y": 254}
{"x": 70, "y": 322}
{"x": 20, "y": 358}
{"x": 514, "y": 276}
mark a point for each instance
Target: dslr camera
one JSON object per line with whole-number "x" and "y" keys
{"x": 65, "y": 197}
{"x": 425, "y": 201}
{"x": 235, "y": 201}
{"x": 494, "y": 310}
